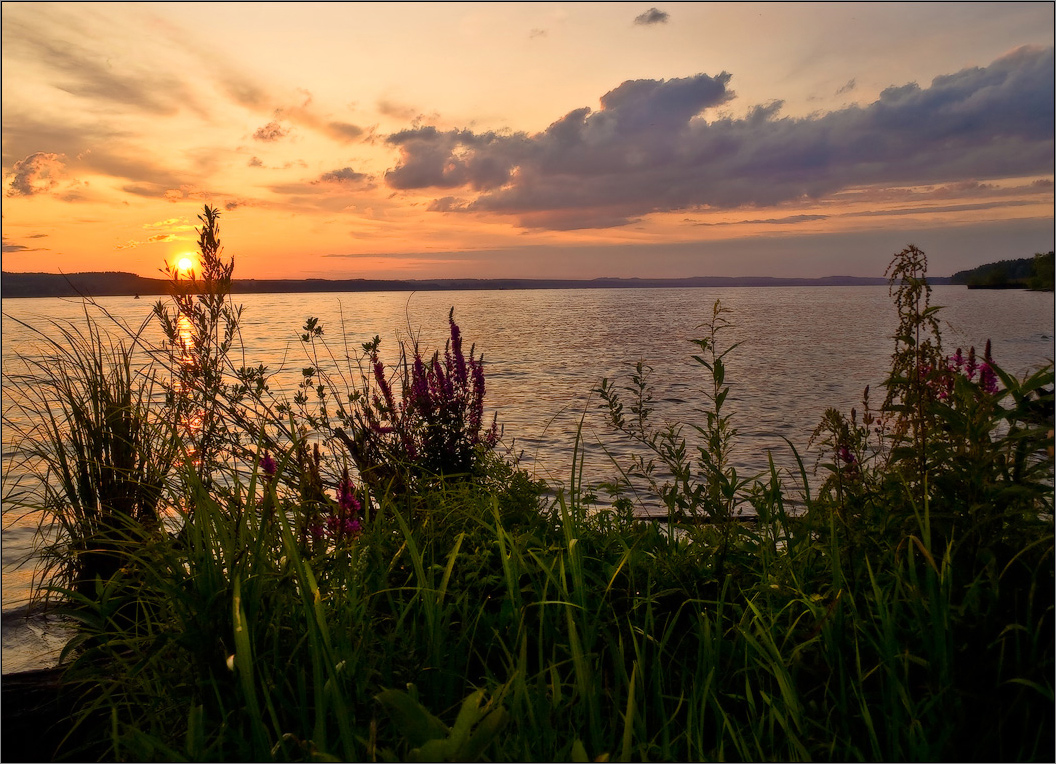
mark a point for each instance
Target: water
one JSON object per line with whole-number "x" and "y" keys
{"x": 803, "y": 350}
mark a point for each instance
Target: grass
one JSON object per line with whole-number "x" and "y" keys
{"x": 905, "y": 612}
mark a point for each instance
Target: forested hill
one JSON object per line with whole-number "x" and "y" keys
{"x": 114, "y": 283}
{"x": 1025, "y": 273}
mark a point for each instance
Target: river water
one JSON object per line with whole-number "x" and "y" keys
{"x": 802, "y": 350}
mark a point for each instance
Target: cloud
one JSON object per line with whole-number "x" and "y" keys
{"x": 330, "y": 191}
{"x": 787, "y": 220}
{"x": 343, "y": 131}
{"x": 851, "y": 85}
{"x": 303, "y": 115}
{"x": 36, "y": 174}
{"x": 344, "y": 175}
{"x": 652, "y": 16}
{"x": 11, "y": 247}
{"x": 397, "y": 110}
{"x": 255, "y": 162}
{"x": 536, "y": 33}
{"x": 168, "y": 223}
{"x": 271, "y": 132}
{"x": 185, "y": 192}
{"x": 650, "y": 148}
{"x": 48, "y": 41}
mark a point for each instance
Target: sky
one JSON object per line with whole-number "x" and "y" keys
{"x": 527, "y": 140}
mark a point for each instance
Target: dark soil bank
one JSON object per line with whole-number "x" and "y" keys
{"x": 37, "y": 708}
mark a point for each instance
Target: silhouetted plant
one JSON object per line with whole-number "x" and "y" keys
{"x": 201, "y": 329}
{"x": 102, "y": 451}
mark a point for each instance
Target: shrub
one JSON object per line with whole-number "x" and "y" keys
{"x": 435, "y": 429}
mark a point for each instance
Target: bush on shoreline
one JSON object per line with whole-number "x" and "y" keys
{"x": 360, "y": 573}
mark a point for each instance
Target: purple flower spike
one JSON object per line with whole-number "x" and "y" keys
{"x": 846, "y": 456}
{"x": 987, "y": 378}
{"x": 268, "y": 465}
{"x": 957, "y": 361}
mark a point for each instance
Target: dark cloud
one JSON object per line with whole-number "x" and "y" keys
{"x": 648, "y": 149}
{"x": 652, "y": 16}
{"x": 271, "y": 132}
{"x": 851, "y": 85}
{"x": 787, "y": 220}
{"x": 36, "y": 174}
{"x": 447, "y": 204}
{"x": 10, "y": 247}
{"x": 344, "y": 175}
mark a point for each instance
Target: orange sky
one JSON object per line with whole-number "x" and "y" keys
{"x": 527, "y": 140}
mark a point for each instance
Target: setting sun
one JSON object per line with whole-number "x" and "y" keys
{"x": 185, "y": 264}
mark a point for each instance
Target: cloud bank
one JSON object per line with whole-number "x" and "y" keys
{"x": 650, "y": 148}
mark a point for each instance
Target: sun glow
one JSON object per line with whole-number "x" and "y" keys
{"x": 185, "y": 264}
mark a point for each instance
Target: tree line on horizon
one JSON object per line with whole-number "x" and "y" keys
{"x": 1035, "y": 273}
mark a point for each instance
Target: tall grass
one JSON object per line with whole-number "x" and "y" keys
{"x": 900, "y": 612}
{"x": 88, "y": 424}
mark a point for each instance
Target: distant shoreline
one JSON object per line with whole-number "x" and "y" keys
{"x": 117, "y": 284}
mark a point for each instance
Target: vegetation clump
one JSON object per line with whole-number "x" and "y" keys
{"x": 1025, "y": 273}
{"x": 360, "y": 572}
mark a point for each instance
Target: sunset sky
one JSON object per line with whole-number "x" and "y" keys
{"x": 527, "y": 140}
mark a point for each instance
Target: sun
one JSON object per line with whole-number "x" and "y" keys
{"x": 185, "y": 264}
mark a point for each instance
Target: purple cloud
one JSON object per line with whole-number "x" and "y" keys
{"x": 648, "y": 148}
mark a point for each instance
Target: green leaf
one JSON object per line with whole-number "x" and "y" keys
{"x": 412, "y": 720}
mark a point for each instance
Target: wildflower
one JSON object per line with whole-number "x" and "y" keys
{"x": 845, "y": 455}
{"x": 268, "y": 465}
{"x": 347, "y": 502}
{"x": 343, "y": 527}
{"x": 970, "y": 366}
{"x": 956, "y": 361}
{"x": 987, "y": 378}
